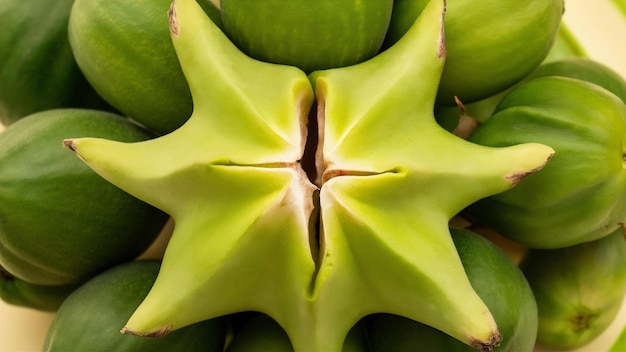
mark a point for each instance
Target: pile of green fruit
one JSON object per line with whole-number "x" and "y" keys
{"x": 334, "y": 172}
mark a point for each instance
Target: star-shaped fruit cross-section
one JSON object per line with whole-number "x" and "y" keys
{"x": 253, "y": 233}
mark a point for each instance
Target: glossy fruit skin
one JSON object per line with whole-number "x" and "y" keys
{"x": 579, "y": 289}
{"x": 38, "y": 70}
{"x": 260, "y": 333}
{"x": 19, "y": 293}
{"x": 125, "y": 51}
{"x": 587, "y": 70}
{"x": 311, "y": 35}
{"x": 492, "y": 44}
{"x": 91, "y": 317}
{"x": 497, "y": 280}
{"x": 579, "y": 195}
{"x": 60, "y": 222}
{"x": 582, "y": 68}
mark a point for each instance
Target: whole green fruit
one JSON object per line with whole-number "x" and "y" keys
{"x": 311, "y": 35}
{"x": 91, "y": 317}
{"x": 580, "y": 195}
{"x": 587, "y": 70}
{"x": 125, "y": 51}
{"x": 573, "y": 67}
{"x": 579, "y": 289}
{"x": 38, "y": 71}
{"x": 496, "y": 279}
{"x": 492, "y": 44}
{"x": 60, "y": 222}
{"x": 20, "y": 293}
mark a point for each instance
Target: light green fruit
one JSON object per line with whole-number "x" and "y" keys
{"x": 580, "y": 195}
{"x": 492, "y": 44}
{"x": 582, "y": 68}
{"x": 566, "y": 58}
{"x": 311, "y": 35}
{"x": 579, "y": 289}
{"x": 585, "y": 69}
{"x": 90, "y": 318}
{"x": 365, "y": 237}
{"x": 124, "y": 50}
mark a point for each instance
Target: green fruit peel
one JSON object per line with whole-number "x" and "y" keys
{"x": 586, "y": 179}
{"x": 76, "y": 210}
{"x": 579, "y": 289}
{"x": 493, "y": 43}
{"x": 369, "y": 234}
{"x": 311, "y": 35}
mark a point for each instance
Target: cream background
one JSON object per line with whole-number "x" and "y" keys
{"x": 603, "y": 34}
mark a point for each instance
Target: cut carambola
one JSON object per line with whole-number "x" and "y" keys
{"x": 247, "y": 235}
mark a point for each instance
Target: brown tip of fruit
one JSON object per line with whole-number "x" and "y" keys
{"x": 154, "y": 333}
{"x": 69, "y": 143}
{"x": 517, "y": 177}
{"x": 487, "y": 346}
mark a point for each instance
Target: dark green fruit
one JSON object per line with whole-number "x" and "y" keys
{"x": 492, "y": 44}
{"x": 125, "y": 51}
{"x": 496, "y": 279}
{"x": 60, "y": 222}
{"x": 261, "y": 334}
{"x": 23, "y": 294}
{"x": 580, "y": 195}
{"x": 37, "y": 68}
{"x": 579, "y": 289}
{"x": 311, "y": 35}
{"x": 91, "y": 317}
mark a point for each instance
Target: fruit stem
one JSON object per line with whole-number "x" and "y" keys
{"x": 467, "y": 124}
